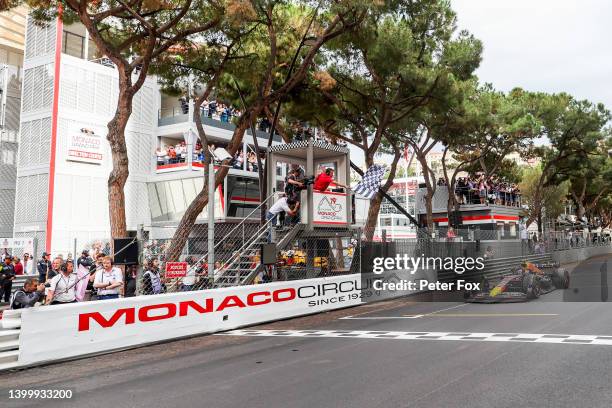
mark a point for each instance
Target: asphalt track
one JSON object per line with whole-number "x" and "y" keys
{"x": 400, "y": 353}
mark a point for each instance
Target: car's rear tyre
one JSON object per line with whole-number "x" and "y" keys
{"x": 561, "y": 278}
{"x": 530, "y": 286}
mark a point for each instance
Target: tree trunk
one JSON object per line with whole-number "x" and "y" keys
{"x": 537, "y": 202}
{"x": 430, "y": 192}
{"x": 120, "y": 172}
{"x": 540, "y": 222}
{"x": 372, "y": 220}
{"x": 377, "y": 200}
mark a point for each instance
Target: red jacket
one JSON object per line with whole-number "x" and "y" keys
{"x": 18, "y": 268}
{"x": 322, "y": 182}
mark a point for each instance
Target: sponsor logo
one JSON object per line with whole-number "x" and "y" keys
{"x": 171, "y": 310}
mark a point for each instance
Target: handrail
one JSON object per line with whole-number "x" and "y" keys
{"x": 233, "y": 229}
{"x": 260, "y": 232}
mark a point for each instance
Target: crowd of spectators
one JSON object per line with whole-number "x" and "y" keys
{"x": 154, "y": 280}
{"x": 178, "y": 154}
{"x": 219, "y": 111}
{"x": 479, "y": 189}
{"x": 60, "y": 281}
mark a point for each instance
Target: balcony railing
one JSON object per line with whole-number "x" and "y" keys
{"x": 172, "y": 116}
{"x": 468, "y": 198}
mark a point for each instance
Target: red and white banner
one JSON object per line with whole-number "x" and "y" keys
{"x": 93, "y": 327}
{"x": 479, "y": 219}
{"x": 329, "y": 208}
{"x": 85, "y": 146}
{"x": 176, "y": 270}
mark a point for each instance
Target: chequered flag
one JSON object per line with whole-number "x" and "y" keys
{"x": 370, "y": 183}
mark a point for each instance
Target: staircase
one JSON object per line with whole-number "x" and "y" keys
{"x": 240, "y": 269}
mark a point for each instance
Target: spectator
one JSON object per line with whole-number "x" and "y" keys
{"x": 489, "y": 253}
{"x": 108, "y": 280}
{"x": 43, "y": 267}
{"x": 130, "y": 281}
{"x": 450, "y": 234}
{"x": 7, "y": 276}
{"x": 84, "y": 264}
{"x": 55, "y": 268}
{"x": 151, "y": 279}
{"x": 93, "y": 292}
{"x": 28, "y": 264}
{"x": 239, "y": 160}
{"x": 162, "y": 156}
{"x": 62, "y": 287}
{"x": 190, "y": 278}
{"x": 172, "y": 155}
{"x": 324, "y": 179}
{"x": 85, "y": 260}
{"x": 18, "y": 266}
{"x": 524, "y": 238}
{"x": 31, "y": 293}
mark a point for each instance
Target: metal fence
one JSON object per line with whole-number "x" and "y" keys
{"x": 300, "y": 254}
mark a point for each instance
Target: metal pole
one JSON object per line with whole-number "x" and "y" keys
{"x": 211, "y": 219}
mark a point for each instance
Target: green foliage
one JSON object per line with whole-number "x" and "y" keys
{"x": 9, "y": 4}
{"x": 552, "y": 198}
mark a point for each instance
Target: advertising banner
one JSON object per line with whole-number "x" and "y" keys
{"x": 93, "y": 327}
{"x": 329, "y": 208}
{"x": 85, "y": 146}
{"x": 176, "y": 269}
{"x": 25, "y": 243}
{"x": 80, "y": 329}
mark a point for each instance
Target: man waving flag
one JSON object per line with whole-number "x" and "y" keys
{"x": 370, "y": 183}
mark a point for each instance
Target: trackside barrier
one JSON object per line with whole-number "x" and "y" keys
{"x": 98, "y": 327}
{"x": 90, "y": 328}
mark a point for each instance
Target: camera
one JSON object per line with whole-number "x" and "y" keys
{"x": 308, "y": 181}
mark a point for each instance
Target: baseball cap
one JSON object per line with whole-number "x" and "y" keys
{"x": 85, "y": 251}
{"x": 45, "y": 254}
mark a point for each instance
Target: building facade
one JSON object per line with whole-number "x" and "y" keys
{"x": 68, "y": 96}
{"x": 12, "y": 25}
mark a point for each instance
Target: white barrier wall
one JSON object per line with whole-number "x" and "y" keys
{"x": 579, "y": 254}
{"x": 81, "y": 329}
{"x": 95, "y": 327}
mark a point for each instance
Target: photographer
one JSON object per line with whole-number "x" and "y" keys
{"x": 43, "y": 267}
{"x": 108, "y": 280}
{"x": 85, "y": 260}
{"x": 62, "y": 287}
{"x": 31, "y": 293}
{"x": 84, "y": 264}
{"x": 292, "y": 184}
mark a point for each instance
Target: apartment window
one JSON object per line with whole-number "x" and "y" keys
{"x": 73, "y": 44}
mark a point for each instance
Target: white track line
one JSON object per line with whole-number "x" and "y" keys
{"x": 580, "y": 339}
{"x": 399, "y": 317}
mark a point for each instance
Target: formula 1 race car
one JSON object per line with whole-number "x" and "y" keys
{"x": 525, "y": 283}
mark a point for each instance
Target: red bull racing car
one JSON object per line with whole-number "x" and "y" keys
{"x": 527, "y": 282}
